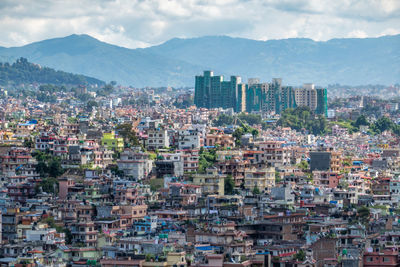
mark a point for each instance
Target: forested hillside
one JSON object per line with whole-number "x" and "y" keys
{"x": 24, "y": 72}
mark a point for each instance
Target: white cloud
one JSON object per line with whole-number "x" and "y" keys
{"x": 357, "y": 34}
{"x": 140, "y": 23}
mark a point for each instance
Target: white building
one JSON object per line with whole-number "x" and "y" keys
{"x": 49, "y": 236}
{"x": 135, "y": 165}
{"x": 157, "y": 139}
{"x": 188, "y": 139}
{"x": 306, "y": 96}
{"x": 170, "y": 164}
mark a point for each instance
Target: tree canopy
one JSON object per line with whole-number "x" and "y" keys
{"x": 22, "y": 72}
{"x": 303, "y": 118}
{"x": 126, "y": 132}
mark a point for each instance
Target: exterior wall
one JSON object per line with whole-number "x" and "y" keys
{"x": 112, "y": 142}
{"x": 135, "y": 165}
{"x": 320, "y": 160}
{"x": 211, "y": 182}
{"x": 385, "y": 258}
{"x": 324, "y": 248}
{"x": 157, "y": 139}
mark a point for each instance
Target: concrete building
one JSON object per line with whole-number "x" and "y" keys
{"x": 188, "y": 139}
{"x": 213, "y": 92}
{"x": 136, "y": 165}
{"x": 263, "y": 179}
{"x": 211, "y": 182}
{"x": 170, "y": 164}
{"x": 157, "y": 138}
{"x": 315, "y": 99}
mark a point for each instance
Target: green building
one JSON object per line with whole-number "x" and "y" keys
{"x": 269, "y": 97}
{"x": 322, "y": 102}
{"x": 255, "y": 97}
{"x": 112, "y": 142}
{"x": 213, "y": 92}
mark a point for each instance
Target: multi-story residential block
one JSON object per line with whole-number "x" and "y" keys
{"x": 20, "y": 193}
{"x": 263, "y": 179}
{"x": 136, "y": 165}
{"x": 188, "y": 139}
{"x": 213, "y": 92}
{"x": 211, "y": 182}
{"x": 326, "y": 179}
{"x": 314, "y": 98}
{"x": 157, "y": 138}
{"x": 84, "y": 233}
{"x": 384, "y": 257}
{"x": 190, "y": 159}
{"x": 326, "y": 159}
{"x": 275, "y": 153}
{"x": 170, "y": 164}
{"x": 112, "y": 142}
{"x": 220, "y": 139}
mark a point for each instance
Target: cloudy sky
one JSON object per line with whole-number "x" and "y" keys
{"x": 141, "y": 23}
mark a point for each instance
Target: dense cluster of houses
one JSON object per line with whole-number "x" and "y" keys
{"x": 186, "y": 193}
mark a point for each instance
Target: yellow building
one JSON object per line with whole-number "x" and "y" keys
{"x": 263, "y": 179}
{"x": 211, "y": 182}
{"x": 111, "y": 142}
{"x": 173, "y": 259}
{"x": 176, "y": 259}
{"x": 8, "y": 137}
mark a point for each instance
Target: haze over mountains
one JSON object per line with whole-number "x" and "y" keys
{"x": 177, "y": 61}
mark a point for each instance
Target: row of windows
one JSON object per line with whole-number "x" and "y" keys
{"x": 155, "y": 135}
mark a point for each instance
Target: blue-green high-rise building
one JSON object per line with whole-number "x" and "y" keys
{"x": 322, "y": 102}
{"x": 213, "y": 92}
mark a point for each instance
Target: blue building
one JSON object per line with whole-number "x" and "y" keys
{"x": 147, "y": 225}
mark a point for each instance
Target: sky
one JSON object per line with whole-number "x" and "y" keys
{"x": 142, "y": 23}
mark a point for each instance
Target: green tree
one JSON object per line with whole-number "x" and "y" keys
{"x": 49, "y": 185}
{"x": 303, "y": 118}
{"x": 42, "y": 168}
{"x": 277, "y": 177}
{"x": 229, "y": 185}
{"x": 223, "y": 120}
{"x": 254, "y": 133}
{"x": 362, "y": 120}
{"x": 237, "y": 134}
{"x": 300, "y": 256}
{"x": 251, "y": 119}
{"x": 207, "y": 158}
{"x": 126, "y": 132}
{"x": 382, "y": 124}
{"x": 90, "y": 104}
{"x": 116, "y": 171}
{"x": 256, "y": 191}
{"x": 106, "y": 90}
{"x": 54, "y": 167}
{"x": 363, "y": 214}
{"x": 304, "y": 165}
{"x": 29, "y": 143}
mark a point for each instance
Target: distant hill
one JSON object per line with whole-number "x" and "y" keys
{"x": 297, "y": 61}
{"x": 176, "y": 62}
{"x": 86, "y": 55}
{"x": 24, "y": 72}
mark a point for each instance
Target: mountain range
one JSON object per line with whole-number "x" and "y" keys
{"x": 349, "y": 61}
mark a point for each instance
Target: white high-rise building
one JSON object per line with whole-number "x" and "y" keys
{"x": 306, "y": 96}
